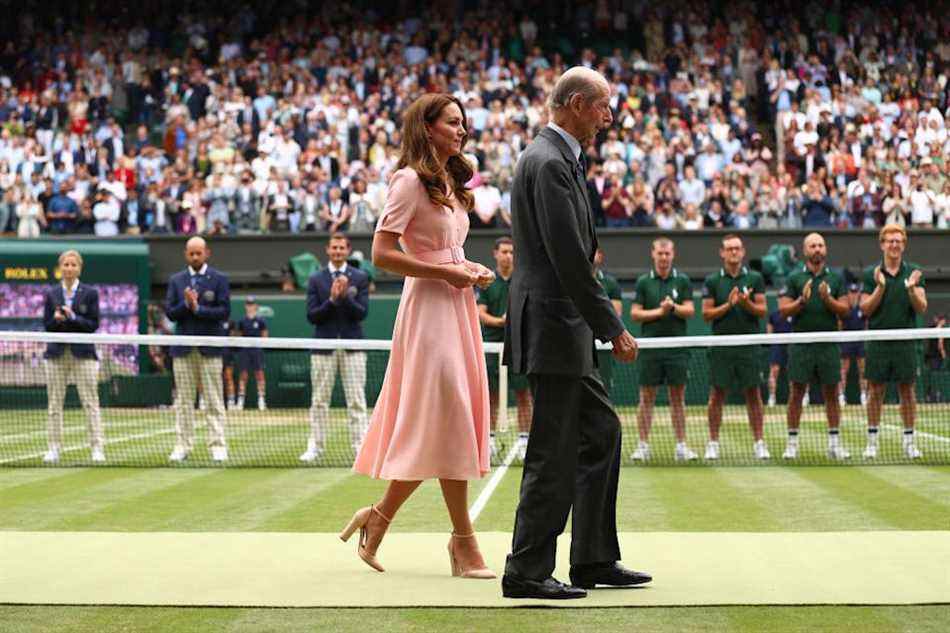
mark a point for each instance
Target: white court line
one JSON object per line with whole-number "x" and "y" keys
{"x": 4, "y": 439}
{"x": 489, "y": 488}
{"x": 939, "y": 438}
{"x": 130, "y": 438}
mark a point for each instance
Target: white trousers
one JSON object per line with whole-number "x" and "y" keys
{"x": 323, "y": 370}
{"x": 84, "y": 374}
{"x": 190, "y": 371}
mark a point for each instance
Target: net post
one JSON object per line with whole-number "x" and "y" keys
{"x": 502, "y": 394}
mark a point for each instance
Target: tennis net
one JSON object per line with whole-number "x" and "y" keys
{"x": 275, "y": 419}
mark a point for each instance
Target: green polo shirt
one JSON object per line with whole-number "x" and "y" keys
{"x": 815, "y": 315}
{"x": 895, "y": 309}
{"x": 495, "y": 297}
{"x": 651, "y": 290}
{"x": 718, "y": 286}
{"x": 610, "y": 285}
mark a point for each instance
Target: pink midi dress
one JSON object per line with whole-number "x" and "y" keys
{"x": 431, "y": 417}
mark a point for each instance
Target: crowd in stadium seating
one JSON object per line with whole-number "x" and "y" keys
{"x": 726, "y": 115}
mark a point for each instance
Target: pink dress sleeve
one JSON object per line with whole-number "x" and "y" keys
{"x": 401, "y": 200}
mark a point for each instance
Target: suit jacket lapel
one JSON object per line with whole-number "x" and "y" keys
{"x": 579, "y": 180}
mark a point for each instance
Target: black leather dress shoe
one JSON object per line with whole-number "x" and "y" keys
{"x": 549, "y": 589}
{"x": 612, "y": 574}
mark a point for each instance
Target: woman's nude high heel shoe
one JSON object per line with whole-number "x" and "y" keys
{"x": 359, "y": 521}
{"x": 482, "y": 573}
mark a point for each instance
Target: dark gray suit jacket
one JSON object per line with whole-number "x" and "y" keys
{"x": 555, "y": 305}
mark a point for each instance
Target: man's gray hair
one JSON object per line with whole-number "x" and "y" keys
{"x": 578, "y": 80}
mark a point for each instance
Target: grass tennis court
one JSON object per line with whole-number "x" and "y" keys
{"x": 145, "y": 437}
{"x": 806, "y": 499}
{"x": 301, "y": 500}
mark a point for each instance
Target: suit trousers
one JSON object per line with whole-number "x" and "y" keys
{"x": 190, "y": 371}
{"x": 323, "y": 371}
{"x": 572, "y": 466}
{"x": 84, "y": 373}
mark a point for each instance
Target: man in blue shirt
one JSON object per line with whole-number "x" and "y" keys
{"x": 199, "y": 302}
{"x": 818, "y": 209}
{"x": 62, "y": 212}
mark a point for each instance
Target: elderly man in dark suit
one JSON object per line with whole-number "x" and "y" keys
{"x": 337, "y": 303}
{"x": 199, "y": 302}
{"x": 556, "y": 308}
{"x": 72, "y": 306}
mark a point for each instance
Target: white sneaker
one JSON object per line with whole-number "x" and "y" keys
{"x": 261, "y": 405}
{"x": 911, "y": 450}
{"x": 684, "y": 453}
{"x": 642, "y": 453}
{"x": 791, "y": 451}
{"x": 870, "y": 451}
{"x": 51, "y": 456}
{"x": 842, "y": 400}
{"x": 522, "y": 447}
{"x": 837, "y": 451}
{"x": 806, "y": 400}
{"x": 864, "y": 397}
{"x": 178, "y": 455}
{"x": 760, "y": 450}
{"x": 240, "y": 403}
{"x": 201, "y": 404}
{"x": 312, "y": 453}
{"x": 771, "y": 400}
{"x": 219, "y": 453}
{"x": 712, "y": 450}
{"x": 231, "y": 404}
{"x": 98, "y": 455}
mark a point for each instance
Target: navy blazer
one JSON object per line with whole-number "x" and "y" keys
{"x": 85, "y": 319}
{"x": 214, "y": 308}
{"x": 343, "y": 319}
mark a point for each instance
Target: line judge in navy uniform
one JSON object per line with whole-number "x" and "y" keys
{"x": 199, "y": 302}
{"x": 72, "y": 306}
{"x": 337, "y": 304}
{"x": 556, "y": 308}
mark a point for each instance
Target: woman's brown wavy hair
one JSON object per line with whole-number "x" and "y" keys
{"x": 419, "y": 153}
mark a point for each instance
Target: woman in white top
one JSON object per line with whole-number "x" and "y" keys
{"x": 30, "y": 214}
{"x": 943, "y": 206}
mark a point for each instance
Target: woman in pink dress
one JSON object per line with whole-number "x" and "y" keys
{"x": 431, "y": 417}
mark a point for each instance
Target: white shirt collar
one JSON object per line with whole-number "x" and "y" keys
{"x": 334, "y": 269}
{"x": 201, "y": 271}
{"x": 570, "y": 140}
{"x": 73, "y": 288}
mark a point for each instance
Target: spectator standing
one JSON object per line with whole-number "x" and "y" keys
{"x": 813, "y": 298}
{"x": 71, "y": 306}
{"x": 337, "y": 305}
{"x": 855, "y": 320}
{"x": 199, "y": 302}
{"x": 492, "y": 313}
{"x": 893, "y": 296}
{"x": 251, "y": 359}
{"x": 662, "y": 303}
{"x": 734, "y": 301}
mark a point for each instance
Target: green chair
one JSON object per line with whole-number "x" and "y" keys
{"x": 302, "y": 266}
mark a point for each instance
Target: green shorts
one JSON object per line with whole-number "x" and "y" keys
{"x": 891, "y": 361}
{"x": 605, "y": 367}
{"x": 516, "y": 382}
{"x": 734, "y": 368}
{"x": 818, "y": 363}
{"x": 663, "y": 367}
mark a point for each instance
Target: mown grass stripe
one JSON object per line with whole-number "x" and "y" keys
{"x": 897, "y": 507}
